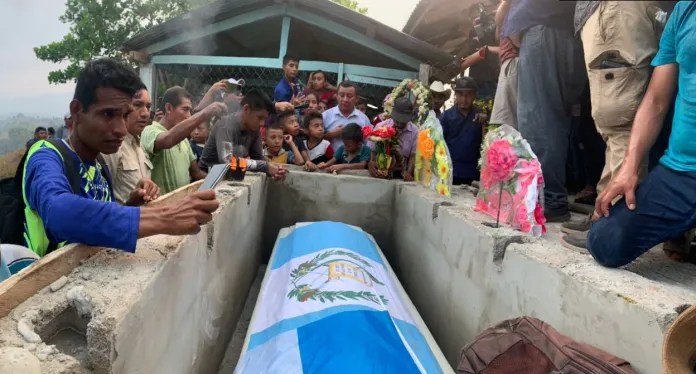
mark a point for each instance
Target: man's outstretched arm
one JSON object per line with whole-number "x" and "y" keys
{"x": 181, "y": 131}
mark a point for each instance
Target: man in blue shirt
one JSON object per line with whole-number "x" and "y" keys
{"x": 551, "y": 77}
{"x": 289, "y": 89}
{"x": 462, "y": 128}
{"x": 55, "y": 214}
{"x": 336, "y": 118}
{"x": 663, "y": 207}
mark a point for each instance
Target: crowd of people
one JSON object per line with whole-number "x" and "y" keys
{"x": 121, "y": 150}
{"x": 630, "y": 58}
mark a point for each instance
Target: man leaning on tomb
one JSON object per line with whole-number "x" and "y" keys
{"x": 56, "y": 216}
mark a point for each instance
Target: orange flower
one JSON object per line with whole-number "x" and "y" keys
{"x": 423, "y": 135}
{"x": 427, "y": 148}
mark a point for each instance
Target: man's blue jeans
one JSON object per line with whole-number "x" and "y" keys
{"x": 665, "y": 209}
{"x": 551, "y": 75}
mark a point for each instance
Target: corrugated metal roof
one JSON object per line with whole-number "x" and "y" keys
{"x": 224, "y": 9}
{"x": 444, "y": 23}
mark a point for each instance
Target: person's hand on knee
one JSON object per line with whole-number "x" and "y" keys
{"x": 623, "y": 184}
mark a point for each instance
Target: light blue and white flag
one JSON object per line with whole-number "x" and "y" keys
{"x": 328, "y": 304}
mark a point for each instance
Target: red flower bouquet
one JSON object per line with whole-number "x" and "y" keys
{"x": 386, "y": 145}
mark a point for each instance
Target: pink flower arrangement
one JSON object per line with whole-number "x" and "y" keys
{"x": 501, "y": 160}
{"x": 511, "y": 182}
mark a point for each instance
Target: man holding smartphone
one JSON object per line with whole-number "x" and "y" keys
{"x": 241, "y": 130}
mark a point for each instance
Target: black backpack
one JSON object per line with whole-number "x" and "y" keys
{"x": 12, "y": 217}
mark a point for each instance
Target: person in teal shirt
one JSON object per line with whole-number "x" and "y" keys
{"x": 663, "y": 207}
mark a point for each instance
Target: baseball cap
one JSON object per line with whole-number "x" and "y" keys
{"x": 403, "y": 110}
{"x": 465, "y": 84}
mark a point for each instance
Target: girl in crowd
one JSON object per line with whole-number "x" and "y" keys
{"x": 318, "y": 85}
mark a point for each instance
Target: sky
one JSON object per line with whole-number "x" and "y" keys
{"x": 31, "y": 23}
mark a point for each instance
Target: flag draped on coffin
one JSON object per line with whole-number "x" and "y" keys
{"x": 328, "y": 304}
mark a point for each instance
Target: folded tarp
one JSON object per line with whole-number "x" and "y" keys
{"x": 330, "y": 303}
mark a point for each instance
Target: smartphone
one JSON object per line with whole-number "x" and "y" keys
{"x": 302, "y": 106}
{"x": 233, "y": 88}
{"x": 215, "y": 175}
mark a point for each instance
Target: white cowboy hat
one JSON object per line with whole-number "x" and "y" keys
{"x": 439, "y": 87}
{"x": 679, "y": 347}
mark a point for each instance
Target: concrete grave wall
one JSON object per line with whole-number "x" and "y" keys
{"x": 307, "y": 197}
{"x": 189, "y": 311}
{"x": 173, "y": 306}
{"x": 464, "y": 277}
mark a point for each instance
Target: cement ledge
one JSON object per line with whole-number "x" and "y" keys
{"x": 109, "y": 285}
{"x": 484, "y": 275}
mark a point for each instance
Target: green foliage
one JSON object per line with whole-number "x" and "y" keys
{"x": 99, "y": 27}
{"x": 352, "y": 5}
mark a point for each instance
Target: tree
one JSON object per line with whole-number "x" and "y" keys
{"x": 99, "y": 27}
{"x": 352, "y": 5}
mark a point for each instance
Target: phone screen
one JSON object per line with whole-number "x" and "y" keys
{"x": 215, "y": 175}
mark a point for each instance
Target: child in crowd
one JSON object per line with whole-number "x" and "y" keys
{"x": 274, "y": 151}
{"x": 352, "y": 155}
{"x": 199, "y": 136}
{"x": 319, "y": 149}
{"x": 361, "y": 105}
{"x": 297, "y": 151}
{"x": 312, "y": 101}
{"x": 323, "y": 106}
{"x": 321, "y": 87}
{"x": 289, "y": 87}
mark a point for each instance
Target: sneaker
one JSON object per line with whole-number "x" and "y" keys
{"x": 556, "y": 215}
{"x": 576, "y": 242}
{"x": 571, "y": 227}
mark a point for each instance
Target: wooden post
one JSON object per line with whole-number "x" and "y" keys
{"x": 424, "y": 73}
{"x": 19, "y": 287}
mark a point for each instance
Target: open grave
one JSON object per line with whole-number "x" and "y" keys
{"x": 175, "y": 305}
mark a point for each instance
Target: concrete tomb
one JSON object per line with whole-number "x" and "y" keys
{"x": 182, "y": 304}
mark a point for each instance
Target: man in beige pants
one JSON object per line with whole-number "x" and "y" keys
{"x": 620, "y": 39}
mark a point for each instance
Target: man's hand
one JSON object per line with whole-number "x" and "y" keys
{"x": 277, "y": 172}
{"x": 322, "y": 165}
{"x": 481, "y": 118}
{"x": 372, "y": 167}
{"x": 214, "y": 110}
{"x": 144, "y": 192}
{"x": 310, "y": 166}
{"x": 334, "y": 168}
{"x": 624, "y": 184}
{"x": 288, "y": 139}
{"x": 408, "y": 177}
{"x": 284, "y": 106}
{"x": 186, "y": 216}
{"x": 217, "y": 88}
{"x": 334, "y": 133}
{"x": 297, "y": 100}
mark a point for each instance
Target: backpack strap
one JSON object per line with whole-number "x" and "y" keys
{"x": 105, "y": 170}
{"x": 71, "y": 172}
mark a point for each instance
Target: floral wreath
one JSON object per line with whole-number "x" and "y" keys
{"x": 417, "y": 92}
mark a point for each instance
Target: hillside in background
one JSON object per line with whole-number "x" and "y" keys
{"x": 14, "y": 133}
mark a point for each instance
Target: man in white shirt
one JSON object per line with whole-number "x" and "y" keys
{"x": 344, "y": 113}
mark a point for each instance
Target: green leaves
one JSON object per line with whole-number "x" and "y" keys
{"x": 99, "y": 27}
{"x": 352, "y": 5}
